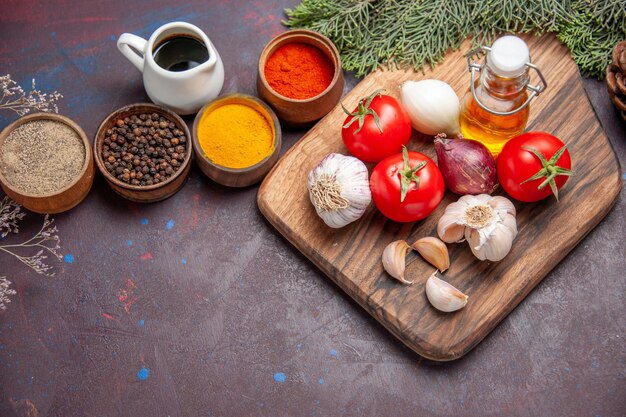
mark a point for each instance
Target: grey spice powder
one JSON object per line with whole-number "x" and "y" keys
{"x": 41, "y": 157}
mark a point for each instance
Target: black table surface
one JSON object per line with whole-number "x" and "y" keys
{"x": 195, "y": 306}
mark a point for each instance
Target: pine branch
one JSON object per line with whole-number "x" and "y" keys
{"x": 410, "y": 33}
{"x": 588, "y": 38}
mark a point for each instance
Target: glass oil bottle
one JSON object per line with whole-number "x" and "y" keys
{"x": 496, "y": 107}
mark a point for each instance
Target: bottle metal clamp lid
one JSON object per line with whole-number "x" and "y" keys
{"x": 508, "y": 57}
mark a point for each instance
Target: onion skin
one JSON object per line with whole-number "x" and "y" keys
{"x": 467, "y": 166}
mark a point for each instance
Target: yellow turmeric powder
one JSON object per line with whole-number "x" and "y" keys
{"x": 235, "y": 135}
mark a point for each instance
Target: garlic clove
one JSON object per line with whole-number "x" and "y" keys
{"x": 448, "y": 228}
{"x": 394, "y": 260}
{"x": 508, "y": 220}
{"x": 499, "y": 244}
{"x": 443, "y": 296}
{"x": 473, "y": 239}
{"x": 434, "y": 251}
{"x": 495, "y": 248}
{"x": 502, "y": 204}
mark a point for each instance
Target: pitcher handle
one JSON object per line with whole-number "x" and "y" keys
{"x": 133, "y": 48}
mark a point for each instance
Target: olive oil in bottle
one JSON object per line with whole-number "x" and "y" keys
{"x": 496, "y": 108}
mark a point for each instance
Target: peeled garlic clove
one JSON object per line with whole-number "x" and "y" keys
{"x": 443, "y": 296}
{"x": 394, "y": 260}
{"x": 433, "y": 251}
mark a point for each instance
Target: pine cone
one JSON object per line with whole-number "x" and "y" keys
{"x": 616, "y": 78}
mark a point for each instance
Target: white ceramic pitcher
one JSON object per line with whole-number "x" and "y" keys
{"x": 184, "y": 92}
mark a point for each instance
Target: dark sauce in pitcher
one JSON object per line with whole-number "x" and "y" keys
{"x": 180, "y": 53}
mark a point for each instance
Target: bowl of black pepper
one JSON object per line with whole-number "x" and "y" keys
{"x": 144, "y": 152}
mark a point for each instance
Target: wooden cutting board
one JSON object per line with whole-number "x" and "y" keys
{"x": 547, "y": 230}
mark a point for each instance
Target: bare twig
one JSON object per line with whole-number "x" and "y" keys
{"x": 15, "y": 98}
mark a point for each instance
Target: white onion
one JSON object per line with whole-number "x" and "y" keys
{"x": 433, "y": 106}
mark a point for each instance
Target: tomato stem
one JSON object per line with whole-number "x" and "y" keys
{"x": 408, "y": 174}
{"x": 549, "y": 170}
{"x": 363, "y": 109}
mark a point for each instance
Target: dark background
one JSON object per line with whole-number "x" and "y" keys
{"x": 217, "y": 305}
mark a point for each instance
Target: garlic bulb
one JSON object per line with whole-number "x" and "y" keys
{"x": 487, "y": 223}
{"x": 443, "y": 296}
{"x": 339, "y": 189}
{"x": 433, "y": 106}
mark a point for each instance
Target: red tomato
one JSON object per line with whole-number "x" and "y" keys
{"x": 377, "y": 128}
{"x": 422, "y": 181}
{"x": 533, "y": 165}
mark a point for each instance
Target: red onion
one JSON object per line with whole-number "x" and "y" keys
{"x": 467, "y": 166}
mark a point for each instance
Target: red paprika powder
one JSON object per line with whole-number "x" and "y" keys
{"x": 299, "y": 71}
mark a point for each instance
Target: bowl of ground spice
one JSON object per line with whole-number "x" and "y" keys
{"x": 300, "y": 76}
{"x": 46, "y": 163}
{"x": 236, "y": 139}
{"x": 144, "y": 152}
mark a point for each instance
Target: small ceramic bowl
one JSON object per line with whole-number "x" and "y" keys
{"x": 237, "y": 177}
{"x": 143, "y": 193}
{"x": 301, "y": 112}
{"x": 65, "y": 198}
